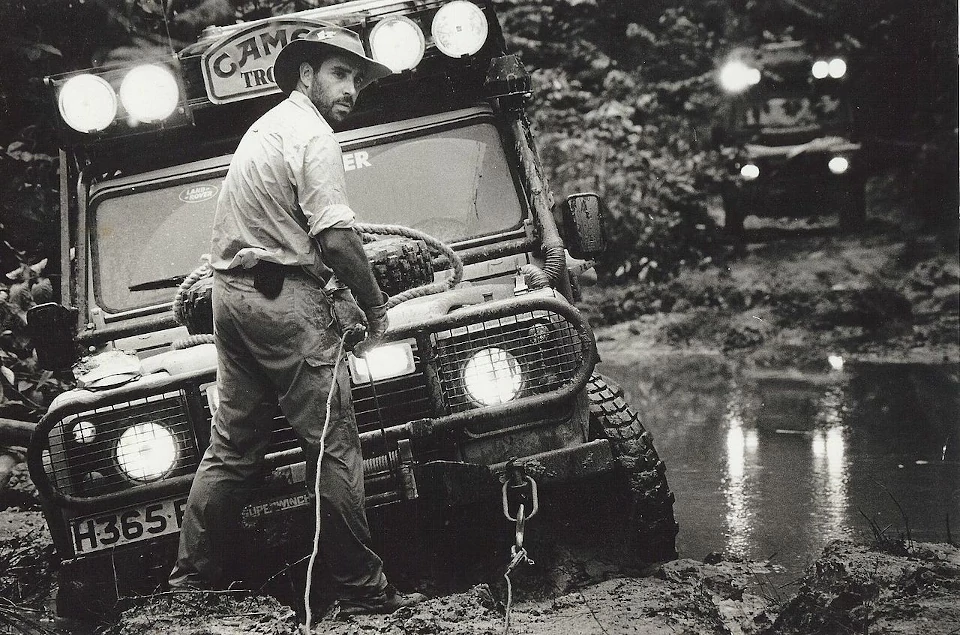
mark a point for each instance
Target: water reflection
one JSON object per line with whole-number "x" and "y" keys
{"x": 742, "y": 445}
{"x": 830, "y": 467}
{"x": 775, "y": 465}
{"x": 826, "y": 464}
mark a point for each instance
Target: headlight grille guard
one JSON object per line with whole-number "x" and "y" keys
{"x": 371, "y": 440}
{"x": 523, "y": 405}
{"x": 141, "y": 390}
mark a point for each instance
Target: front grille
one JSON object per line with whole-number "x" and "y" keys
{"x": 122, "y": 446}
{"x": 506, "y": 358}
{"x": 394, "y": 401}
{"x": 390, "y": 402}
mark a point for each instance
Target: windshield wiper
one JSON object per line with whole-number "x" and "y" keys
{"x": 162, "y": 283}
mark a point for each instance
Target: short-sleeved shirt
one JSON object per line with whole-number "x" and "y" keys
{"x": 285, "y": 184}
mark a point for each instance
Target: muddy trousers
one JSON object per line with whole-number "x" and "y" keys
{"x": 268, "y": 350}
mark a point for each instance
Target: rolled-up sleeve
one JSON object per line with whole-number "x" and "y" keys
{"x": 321, "y": 184}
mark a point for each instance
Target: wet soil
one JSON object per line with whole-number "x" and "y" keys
{"x": 796, "y": 294}
{"x": 891, "y": 588}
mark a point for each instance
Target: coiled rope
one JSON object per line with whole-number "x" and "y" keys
{"x": 456, "y": 263}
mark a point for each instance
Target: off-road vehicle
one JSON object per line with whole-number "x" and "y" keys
{"x": 484, "y": 388}
{"x": 788, "y": 120}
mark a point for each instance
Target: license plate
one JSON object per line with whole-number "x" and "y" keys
{"x": 134, "y": 524}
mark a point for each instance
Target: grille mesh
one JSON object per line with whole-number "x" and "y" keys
{"x": 121, "y": 446}
{"x": 394, "y": 401}
{"x": 524, "y": 355}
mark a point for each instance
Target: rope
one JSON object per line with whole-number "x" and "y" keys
{"x": 202, "y": 271}
{"x": 506, "y": 624}
{"x": 193, "y": 340}
{"x": 308, "y": 613}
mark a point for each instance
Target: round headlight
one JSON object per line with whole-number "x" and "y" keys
{"x": 736, "y": 77}
{"x": 492, "y": 376}
{"x": 84, "y": 432}
{"x": 821, "y": 68}
{"x": 750, "y": 171}
{"x": 838, "y": 165}
{"x": 459, "y": 28}
{"x": 146, "y": 451}
{"x": 149, "y": 93}
{"x": 837, "y": 68}
{"x": 87, "y": 103}
{"x": 398, "y": 43}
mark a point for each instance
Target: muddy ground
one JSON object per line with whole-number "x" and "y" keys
{"x": 798, "y": 292}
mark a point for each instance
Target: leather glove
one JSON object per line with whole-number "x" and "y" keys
{"x": 377, "y": 324}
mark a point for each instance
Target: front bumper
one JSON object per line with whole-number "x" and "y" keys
{"x": 93, "y": 585}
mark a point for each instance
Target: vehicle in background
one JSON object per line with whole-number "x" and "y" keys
{"x": 787, "y": 130}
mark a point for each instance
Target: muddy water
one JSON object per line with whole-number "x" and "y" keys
{"x": 776, "y": 464}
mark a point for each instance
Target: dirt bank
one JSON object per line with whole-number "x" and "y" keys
{"x": 799, "y": 290}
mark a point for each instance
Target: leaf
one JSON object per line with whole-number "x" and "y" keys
{"x": 8, "y": 375}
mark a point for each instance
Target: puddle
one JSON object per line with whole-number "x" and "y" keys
{"x": 775, "y": 465}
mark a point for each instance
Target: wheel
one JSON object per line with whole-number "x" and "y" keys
{"x": 649, "y": 497}
{"x": 400, "y": 264}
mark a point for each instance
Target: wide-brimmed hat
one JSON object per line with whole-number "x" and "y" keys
{"x": 286, "y": 70}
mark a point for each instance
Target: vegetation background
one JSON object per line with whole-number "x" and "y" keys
{"x": 625, "y": 99}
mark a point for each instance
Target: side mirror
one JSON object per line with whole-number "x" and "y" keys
{"x": 582, "y": 225}
{"x": 52, "y": 329}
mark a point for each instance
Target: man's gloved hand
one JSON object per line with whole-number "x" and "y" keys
{"x": 377, "y": 324}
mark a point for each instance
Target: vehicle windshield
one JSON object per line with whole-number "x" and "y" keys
{"x": 452, "y": 183}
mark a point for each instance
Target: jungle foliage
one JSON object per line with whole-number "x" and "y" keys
{"x": 624, "y": 104}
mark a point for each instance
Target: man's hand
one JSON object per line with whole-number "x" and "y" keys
{"x": 377, "y": 324}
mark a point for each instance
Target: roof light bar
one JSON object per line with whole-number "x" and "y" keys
{"x": 113, "y": 102}
{"x": 736, "y": 76}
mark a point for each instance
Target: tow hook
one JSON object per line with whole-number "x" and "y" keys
{"x": 522, "y": 490}
{"x": 519, "y": 492}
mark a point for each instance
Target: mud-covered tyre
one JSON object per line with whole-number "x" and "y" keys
{"x": 400, "y": 264}
{"x": 639, "y": 467}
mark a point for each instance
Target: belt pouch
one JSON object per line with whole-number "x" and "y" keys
{"x": 268, "y": 278}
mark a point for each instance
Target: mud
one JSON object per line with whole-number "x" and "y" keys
{"x": 903, "y": 588}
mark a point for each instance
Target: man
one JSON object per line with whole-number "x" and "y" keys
{"x": 282, "y": 223}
